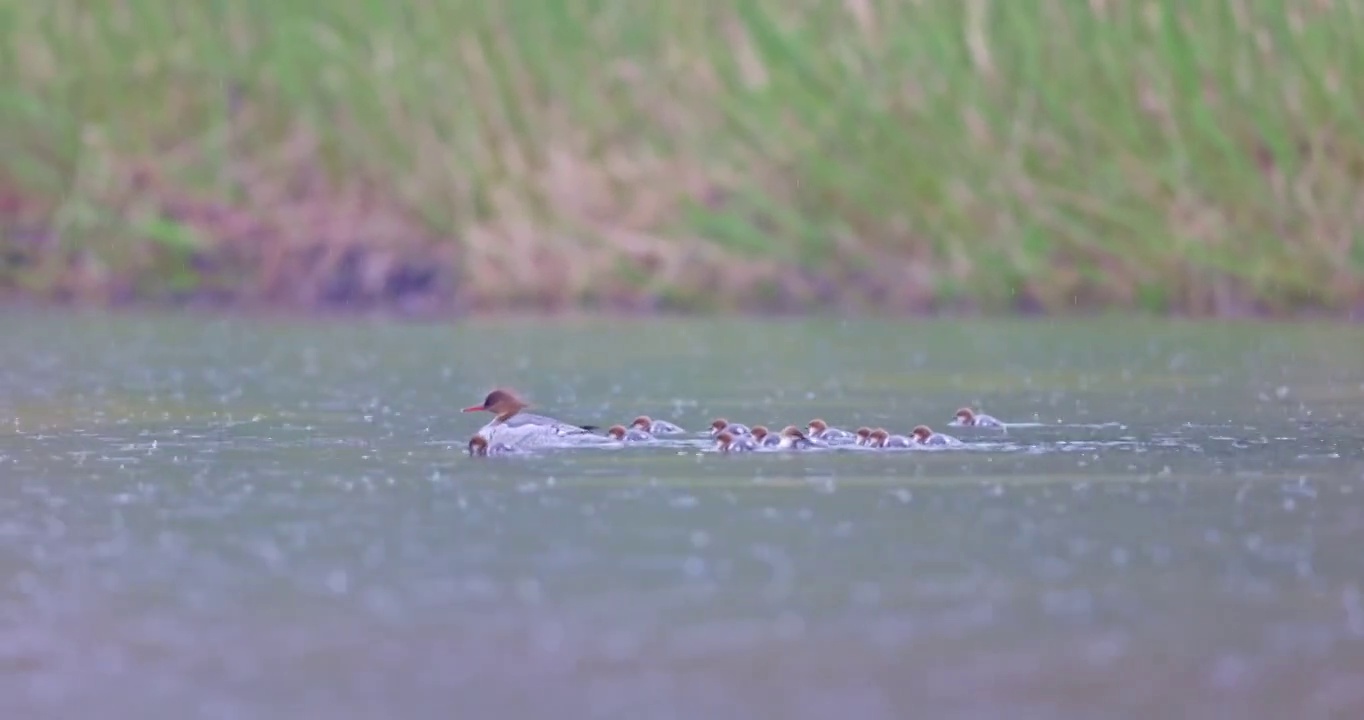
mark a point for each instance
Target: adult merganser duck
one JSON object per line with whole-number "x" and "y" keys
{"x": 478, "y": 447}
{"x": 793, "y": 439}
{"x": 863, "y": 436}
{"x": 655, "y": 427}
{"x": 820, "y": 430}
{"x": 763, "y": 437}
{"x": 881, "y": 439}
{"x": 725, "y": 442}
{"x": 924, "y": 435}
{"x": 966, "y": 417}
{"x": 720, "y": 425}
{"x": 514, "y": 428}
{"x": 631, "y": 434}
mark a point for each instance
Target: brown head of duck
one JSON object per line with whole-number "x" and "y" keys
{"x": 501, "y": 403}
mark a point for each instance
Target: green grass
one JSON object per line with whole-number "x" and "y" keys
{"x": 1160, "y": 156}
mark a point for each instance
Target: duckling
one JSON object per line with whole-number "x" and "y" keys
{"x": 863, "y": 436}
{"x": 792, "y": 438}
{"x": 631, "y": 434}
{"x": 479, "y": 447}
{"x": 720, "y": 425}
{"x": 924, "y": 435}
{"x": 966, "y": 417}
{"x": 655, "y": 427}
{"x": 727, "y": 442}
{"x": 880, "y": 438}
{"x": 763, "y": 437}
{"x": 820, "y": 430}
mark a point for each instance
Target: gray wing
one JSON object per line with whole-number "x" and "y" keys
{"x": 524, "y": 419}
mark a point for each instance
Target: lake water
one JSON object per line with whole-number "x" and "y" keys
{"x": 276, "y": 519}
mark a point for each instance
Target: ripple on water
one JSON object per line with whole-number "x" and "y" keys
{"x": 217, "y": 519}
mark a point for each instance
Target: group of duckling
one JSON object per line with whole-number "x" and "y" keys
{"x": 732, "y": 437}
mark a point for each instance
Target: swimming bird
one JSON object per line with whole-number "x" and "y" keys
{"x": 793, "y": 439}
{"x": 655, "y": 427}
{"x": 478, "y": 447}
{"x": 512, "y": 427}
{"x": 719, "y": 425}
{"x": 820, "y": 430}
{"x": 880, "y": 438}
{"x": 966, "y": 417}
{"x": 924, "y": 435}
{"x": 631, "y": 434}
{"x": 726, "y": 442}
{"x": 764, "y": 437}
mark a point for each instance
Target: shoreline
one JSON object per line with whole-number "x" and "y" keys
{"x": 447, "y": 312}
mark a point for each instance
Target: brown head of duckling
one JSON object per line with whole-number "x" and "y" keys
{"x": 877, "y": 438}
{"x": 759, "y": 432}
{"x": 478, "y": 445}
{"x": 724, "y": 440}
{"x": 643, "y": 422}
{"x": 616, "y": 431}
{"x": 718, "y": 425}
{"x": 863, "y": 434}
{"x": 966, "y": 416}
{"x": 921, "y": 433}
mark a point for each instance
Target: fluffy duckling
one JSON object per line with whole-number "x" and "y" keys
{"x": 924, "y": 435}
{"x": 655, "y": 427}
{"x": 720, "y": 425}
{"x": 763, "y": 437}
{"x": 966, "y": 417}
{"x": 793, "y": 439}
{"x": 820, "y": 430}
{"x": 727, "y": 442}
{"x": 630, "y": 434}
{"x": 880, "y": 438}
{"x": 479, "y": 447}
{"x": 863, "y": 436}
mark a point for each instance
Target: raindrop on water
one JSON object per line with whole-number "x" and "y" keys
{"x": 338, "y": 582}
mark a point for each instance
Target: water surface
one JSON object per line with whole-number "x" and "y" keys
{"x": 210, "y": 518}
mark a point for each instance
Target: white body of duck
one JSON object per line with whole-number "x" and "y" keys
{"x": 513, "y": 428}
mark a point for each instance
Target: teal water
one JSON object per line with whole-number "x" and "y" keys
{"x": 252, "y": 518}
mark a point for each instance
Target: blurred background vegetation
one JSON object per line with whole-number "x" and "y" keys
{"x": 1162, "y": 156}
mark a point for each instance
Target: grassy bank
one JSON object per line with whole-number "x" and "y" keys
{"x": 1165, "y": 156}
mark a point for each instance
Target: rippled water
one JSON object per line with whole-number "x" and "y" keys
{"x": 208, "y": 518}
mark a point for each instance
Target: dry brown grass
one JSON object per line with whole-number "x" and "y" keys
{"x": 1054, "y": 155}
